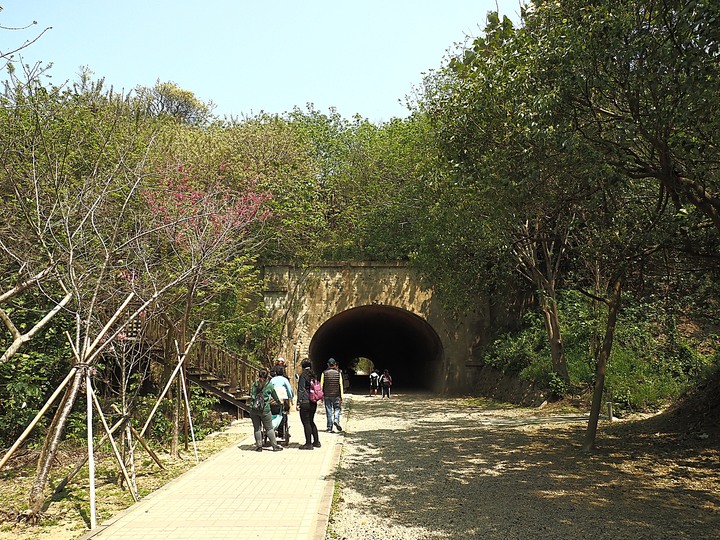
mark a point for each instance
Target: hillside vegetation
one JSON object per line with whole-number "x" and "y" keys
{"x": 567, "y": 168}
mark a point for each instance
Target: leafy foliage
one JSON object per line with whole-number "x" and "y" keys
{"x": 29, "y": 378}
{"x": 577, "y": 149}
{"x": 651, "y": 362}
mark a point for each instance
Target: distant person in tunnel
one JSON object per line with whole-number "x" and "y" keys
{"x": 385, "y": 383}
{"x": 306, "y": 407}
{"x": 374, "y": 382}
{"x": 332, "y": 384}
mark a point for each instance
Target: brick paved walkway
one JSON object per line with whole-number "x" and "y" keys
{"x": 241, "y": 494}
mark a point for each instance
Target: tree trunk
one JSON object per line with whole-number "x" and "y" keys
{"x": 613, "y": 304}
{"x": 552, "y": 326}
{"x": 52, "y": 441}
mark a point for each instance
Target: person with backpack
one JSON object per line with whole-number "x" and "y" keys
{"x": 307, "y": 405}
{"x": 374, "y": 382}
{"x": 332, "y": 385}
{"x": 262, "y": 394}
{"x": 385, "y": 383}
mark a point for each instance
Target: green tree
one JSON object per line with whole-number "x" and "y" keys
{"x": 274, "y": 154}
{"x": 499, "y": 139}
{"x": 561, "y": 120}
{"x": 639, "y": 81}
{"x": 634, "y": 84}
{"x": 167, "y": 99}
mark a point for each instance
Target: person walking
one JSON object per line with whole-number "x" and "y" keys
{"x": 306, "y": 407}
{"x": 282, "y": 387}
{"x": 280, "y": 366}
{"x": 385, "y": 383}
{"x": 374, "y": 382}
{"x": 261, "y": 415}
{"x": 285, "y": 392}
{"x": 332, "y": 385}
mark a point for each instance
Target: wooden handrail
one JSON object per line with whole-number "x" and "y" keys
{"x": 210, "y": 357}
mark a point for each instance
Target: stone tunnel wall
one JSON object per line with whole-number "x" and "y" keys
{"x": 305, "y": 298}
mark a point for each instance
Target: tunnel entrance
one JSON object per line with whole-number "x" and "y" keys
{"x": 392, "y": 338}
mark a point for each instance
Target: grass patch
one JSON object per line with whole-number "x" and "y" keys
{"x": 66, "y": 516}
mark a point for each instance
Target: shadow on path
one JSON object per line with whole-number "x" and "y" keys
{"x": 436, "y": 468}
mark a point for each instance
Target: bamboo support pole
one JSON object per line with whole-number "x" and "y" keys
{"x": 91, "y": 455}
{"x": 142, "y": 441}
{"x": 187, "y": 408}
{"x": 39, "y": 415}
{"x": 114, "y": 446}
{"x": 89, "y": 349}
{"x": 147, "y": 448}
{"x": 170, "y": 380}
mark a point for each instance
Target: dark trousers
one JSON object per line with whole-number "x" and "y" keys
{"x": 307, "y": 417}
{"x": 263, "y": 420}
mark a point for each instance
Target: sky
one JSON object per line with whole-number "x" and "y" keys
{"x": 359, "y": 57}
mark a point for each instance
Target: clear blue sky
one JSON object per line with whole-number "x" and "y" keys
{"x": 361, "y": 57}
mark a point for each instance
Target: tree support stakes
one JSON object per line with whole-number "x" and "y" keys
{"x": 115, "y": 448}
{"x": 91, "y": 450}
{"x": 39, "y": 415}
{"x": 64, "y": 482}
{"x": 170, "y": 380}
{"x": 187, "y": 408}
{"x": 124, "y": 421}
{"x": 142, "y": 441}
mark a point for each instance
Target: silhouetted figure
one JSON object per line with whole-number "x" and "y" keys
{"x": 385, "y": 383}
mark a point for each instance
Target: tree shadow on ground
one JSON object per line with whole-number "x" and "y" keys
{"x": 472, "y": 473}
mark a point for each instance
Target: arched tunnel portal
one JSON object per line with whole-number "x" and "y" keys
{"x": 392, "y": 338}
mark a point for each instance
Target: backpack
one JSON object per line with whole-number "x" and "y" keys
{"x": 258, "y": 402}
{"x": 316, "y": 391}
{"x": 386, "y": 381}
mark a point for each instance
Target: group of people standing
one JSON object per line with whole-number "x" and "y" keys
{"x": 384, "y": 382}
{"x": 277, "y": 393}
{"x": 331, "y": 382}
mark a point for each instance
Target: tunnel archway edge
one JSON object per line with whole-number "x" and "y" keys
{"x": 393, "y": 338}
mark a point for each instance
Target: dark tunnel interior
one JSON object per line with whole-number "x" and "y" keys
{"x": 392, "y": 338}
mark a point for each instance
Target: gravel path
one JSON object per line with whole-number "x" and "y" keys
{"x": 420, "y": 467}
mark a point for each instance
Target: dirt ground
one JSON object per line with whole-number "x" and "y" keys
{"x": 428, "y": 468}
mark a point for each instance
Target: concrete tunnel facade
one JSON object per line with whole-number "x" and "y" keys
{"x": 379, "y": 311}
{"x": 392, "y": 338}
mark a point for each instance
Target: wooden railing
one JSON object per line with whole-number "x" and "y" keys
{"x": 227, "y": 366}
{"x": 209, "y": 362}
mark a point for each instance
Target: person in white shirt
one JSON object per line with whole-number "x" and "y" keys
{"x": 374, "y": 382}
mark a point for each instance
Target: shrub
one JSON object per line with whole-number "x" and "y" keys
{"x": 26, "y": 382}
{"x": 650, "y": 362}
{"x": 513, "y": 353}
